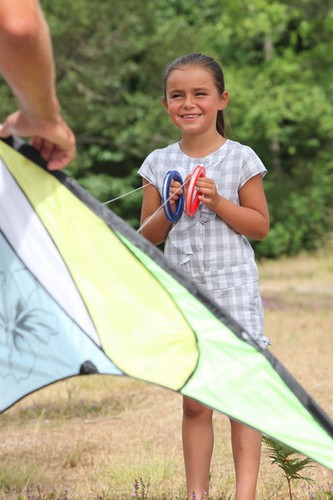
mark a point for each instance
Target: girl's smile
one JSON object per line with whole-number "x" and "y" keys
{"x": 190, "y": 117}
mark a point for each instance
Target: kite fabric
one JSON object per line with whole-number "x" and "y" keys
{"x": 81, "y": 292}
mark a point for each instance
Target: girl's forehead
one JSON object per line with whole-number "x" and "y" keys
{"x": 190, "y": 75}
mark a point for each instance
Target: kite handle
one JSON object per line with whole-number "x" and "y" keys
{"x": 172, "y": 215}
{"x": 192, "y": 197}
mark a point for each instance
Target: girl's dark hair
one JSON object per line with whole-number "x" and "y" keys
{"x": 197, "y": 59}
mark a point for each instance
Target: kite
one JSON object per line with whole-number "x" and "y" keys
{"x": 81, "y": 292}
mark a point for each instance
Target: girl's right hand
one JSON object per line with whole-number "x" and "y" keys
{"x": 175, "y": 192}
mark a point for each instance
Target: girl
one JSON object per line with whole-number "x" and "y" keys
{"x": 212, "y": 246}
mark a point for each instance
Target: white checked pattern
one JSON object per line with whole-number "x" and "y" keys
{"x": 214, "y": 255}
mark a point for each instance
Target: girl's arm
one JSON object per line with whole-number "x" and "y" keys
{"x": 250, "y": 218}
{"x": 157, "y": 229}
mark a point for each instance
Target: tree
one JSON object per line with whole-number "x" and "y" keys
{"x": 276, "y": 60}
{"x": 278, "y": 63}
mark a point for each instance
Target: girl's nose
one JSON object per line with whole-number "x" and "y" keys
{"x": 188, "y": 103}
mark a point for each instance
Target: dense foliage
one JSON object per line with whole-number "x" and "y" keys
{"x": 278, "y": 65}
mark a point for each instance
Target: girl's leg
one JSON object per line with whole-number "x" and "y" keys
{"x": 198, "y": 440}
{"x": 246, "y": 448}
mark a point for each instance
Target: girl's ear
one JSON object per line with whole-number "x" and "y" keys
{"x": 224, "y": 99}
{"x": 165, "y": 103}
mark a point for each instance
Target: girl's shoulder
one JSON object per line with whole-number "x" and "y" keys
{"x": 246, "y": 160}
{"x": 239, "y": 148}
{"x": 243, "y": 153}
{"x": 158, "y": 162}
{"x": 159, "y": 153}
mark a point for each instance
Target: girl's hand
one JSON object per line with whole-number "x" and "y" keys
{"x": 209, "y": 195}
{"x": 174, "y": 192}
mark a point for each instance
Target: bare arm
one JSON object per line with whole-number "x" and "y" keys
{"x": 250, "y": 218}
{"x": 23, "y": 33}
{"x": 26, "y": 63}
{"x": 157, "y": 229}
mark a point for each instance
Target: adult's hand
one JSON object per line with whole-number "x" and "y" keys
{"x": 54, "y": 140}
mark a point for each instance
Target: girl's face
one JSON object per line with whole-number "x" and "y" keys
{"x": 193, "y": 100}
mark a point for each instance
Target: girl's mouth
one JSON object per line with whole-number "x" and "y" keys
{"x": 190, "y": 116}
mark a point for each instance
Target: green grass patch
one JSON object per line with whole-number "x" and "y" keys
{"x": 15, "y": 478}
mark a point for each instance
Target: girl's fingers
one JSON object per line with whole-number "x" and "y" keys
{"x": 175, "y": 190}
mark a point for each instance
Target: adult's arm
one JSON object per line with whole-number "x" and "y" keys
{"x": 27, "y": 65}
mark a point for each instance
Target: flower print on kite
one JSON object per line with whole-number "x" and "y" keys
{"x": 24, "y": 323}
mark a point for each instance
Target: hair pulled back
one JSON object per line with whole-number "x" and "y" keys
{"x": 197, "y": 59}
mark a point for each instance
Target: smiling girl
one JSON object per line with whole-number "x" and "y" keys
{"x": 212, "y": 247}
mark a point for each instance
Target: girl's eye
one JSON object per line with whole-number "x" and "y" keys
{"x": 175, "y": 96}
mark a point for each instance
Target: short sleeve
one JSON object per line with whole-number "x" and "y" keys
{"x": 251, "y": 166}
{"x": 147, "y": 171}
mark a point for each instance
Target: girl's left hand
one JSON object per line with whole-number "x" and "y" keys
{"x": 209, "y": 195}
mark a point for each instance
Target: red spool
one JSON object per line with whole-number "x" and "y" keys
{"x": 192, "y": 197}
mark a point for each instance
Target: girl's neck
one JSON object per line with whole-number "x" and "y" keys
{"x": 198, "y": 147}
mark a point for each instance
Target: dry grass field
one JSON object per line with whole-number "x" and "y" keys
{"x": 93, "y": 437}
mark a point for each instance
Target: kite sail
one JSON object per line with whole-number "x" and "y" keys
{"x": 82, "y": 292}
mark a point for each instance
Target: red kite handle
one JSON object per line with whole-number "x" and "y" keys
{"x": 192, "y": 197}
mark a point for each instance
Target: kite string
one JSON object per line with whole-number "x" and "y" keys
{"x": 161, "y": 207}
{"x": 123, "y": 195}
{"x": 151, "y": 216}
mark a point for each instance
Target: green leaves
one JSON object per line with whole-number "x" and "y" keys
{"x": 278, "y": 65}
{"x": 290, "y": 461}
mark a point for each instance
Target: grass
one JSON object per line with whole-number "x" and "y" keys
{"x": 101, "y": 437}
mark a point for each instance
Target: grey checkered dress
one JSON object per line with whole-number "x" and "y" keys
{"x": 204, "y": 246}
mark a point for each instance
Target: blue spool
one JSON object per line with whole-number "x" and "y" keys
{"x": 172, "y": 216}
